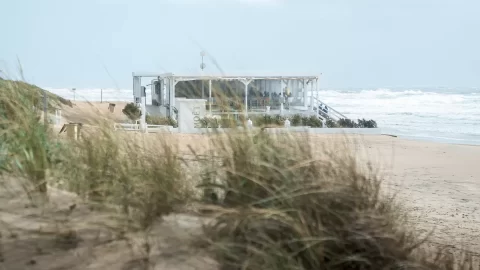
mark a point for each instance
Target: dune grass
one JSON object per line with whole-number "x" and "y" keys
{"x": 276, "y": 201}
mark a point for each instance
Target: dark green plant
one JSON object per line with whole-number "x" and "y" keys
{"x": 331, "y": 123}
{"x": 362, "y": 123}
{"x": 296, "y": 120}
{"x": 313, "y": 121}
{"x": 132, "y": 111}
{"x": 346, "y": 123}
{"x": 260, "y": 121}
{"x": 209, "y": 122}
{"x": 279, "y": 120}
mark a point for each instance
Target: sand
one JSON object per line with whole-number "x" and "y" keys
{"x": 437, "y": 183}
{"x": 89, "y": 112}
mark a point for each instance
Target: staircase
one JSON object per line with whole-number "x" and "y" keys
{"x": 325, "y": 115}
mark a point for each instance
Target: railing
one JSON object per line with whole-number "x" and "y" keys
{"x": 126, "y": 126}
{"x": 332, "y": 113}
{"x": 158, "y": 128}
{"x": 136, "y": 127}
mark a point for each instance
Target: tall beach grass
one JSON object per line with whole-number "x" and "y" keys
{"x": 274, "y": 201}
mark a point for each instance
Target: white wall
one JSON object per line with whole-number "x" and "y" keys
{"x": 190, "y": 112}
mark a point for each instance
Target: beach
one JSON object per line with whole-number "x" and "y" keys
{"x": 435, "y": 183}
{"x": 438, "y": 183}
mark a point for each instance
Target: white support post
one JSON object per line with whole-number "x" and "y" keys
{"x": 246, "y": 83}
{"x": 137, "y": 87}
{"x": 317, "y": 90}
{"x": 281, "y": 87}
{"x": 171, "y": 96}
{"x": 246, "y": 100}
{"x": 143, "y": 118}
{"x": 311, "y": 96}
{"x": 305, "y": 94}
{"x": 210, "y": 97}
{"x": 164, "y": 92}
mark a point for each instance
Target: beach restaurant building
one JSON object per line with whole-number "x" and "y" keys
{"x": 226, "y": 94}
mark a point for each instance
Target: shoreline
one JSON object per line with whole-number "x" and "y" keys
{"x": 451, "y": 141}
{"x": 430, "y": 140}
{"x": 84, "y": 108}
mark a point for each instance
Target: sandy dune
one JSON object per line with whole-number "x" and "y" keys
{"x": 437, "y": 183}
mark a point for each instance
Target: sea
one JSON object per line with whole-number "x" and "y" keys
{"x": 449, "y": 115}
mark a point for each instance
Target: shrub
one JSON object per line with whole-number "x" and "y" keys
{"x": 296, "y": 120}
{"x": 279, "y": 120}
{"x": 346, "y": 123}
{"x": 269, "y": 120}
{"x": 313, "y": 121}
{"x": 209, "y": 122}
{"x": 132, "y": 111}
{"x": 331, "y": 123}
{"x": 362, "y": 123}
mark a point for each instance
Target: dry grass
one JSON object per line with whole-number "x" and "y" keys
{"x": 286, "y": 208}
{"x": 274, "y": 203}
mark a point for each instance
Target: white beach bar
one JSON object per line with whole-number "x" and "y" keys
{"x": 288, "y": 94}
{"x": 231, "y": 96}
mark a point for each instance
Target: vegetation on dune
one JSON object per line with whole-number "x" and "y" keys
{"x": 28, "y": 148}
{"x": 223, "y": 122}
{"x": 296, "y": 120}
{"x": 33, "y": 94}
{"x": 132, "y": 111}
{"x": 286, "y": 208}
{"x": 276, "y": 202}
{"x": 145, "y": 181}
{"x": 348, "y": 123}
{"x": 269, "y": 120}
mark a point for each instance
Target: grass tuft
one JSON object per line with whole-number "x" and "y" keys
{"x": 287, "y": 207}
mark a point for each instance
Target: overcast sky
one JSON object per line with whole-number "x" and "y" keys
{"x": 354, "y": 43}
